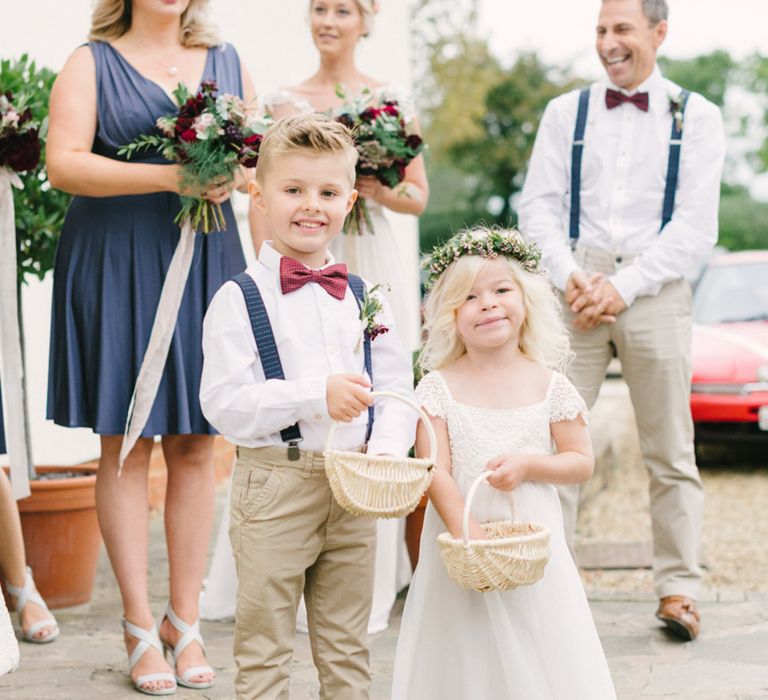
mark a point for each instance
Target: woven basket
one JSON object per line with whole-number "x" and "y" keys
{"x": 375, "y": 485}
{"x": 514, "y": 553}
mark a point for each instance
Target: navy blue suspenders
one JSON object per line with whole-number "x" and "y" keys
{"x": 577, "y": 150}
{"x": 270, "y": 359}
{"x": 673, "y": 165}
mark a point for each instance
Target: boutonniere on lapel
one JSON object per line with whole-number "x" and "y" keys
{"x": 676, "y": 106}
{"x": 370, "y": 308}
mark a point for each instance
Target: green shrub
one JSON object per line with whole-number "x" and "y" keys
{"x": 39, "y": 208}
{"x": 743, "y": 222}
{"x": 438, "y": 226}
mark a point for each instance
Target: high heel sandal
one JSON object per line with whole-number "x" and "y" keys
{"x": 147, "y": 639}
{"x": 27, "y": 593}
{"x": 189, "y": 634}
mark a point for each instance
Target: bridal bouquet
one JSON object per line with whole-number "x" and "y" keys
{"x": 19, "y": 135}
{"x": 210, "y": 137}
{"x": 385, "y": 144}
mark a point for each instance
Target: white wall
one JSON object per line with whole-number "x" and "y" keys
{"x": 273, "y": 41}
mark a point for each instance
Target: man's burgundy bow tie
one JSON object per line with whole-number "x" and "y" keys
{"x": 613, "y": 98}
{"x": 294, "y": 275}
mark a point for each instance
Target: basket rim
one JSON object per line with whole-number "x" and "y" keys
{"x": 544, "y": 530}
{"x": 420, "y": 461}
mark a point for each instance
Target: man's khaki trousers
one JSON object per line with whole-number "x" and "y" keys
{"x": 289, "y": 536}
{"x": 653, "y": 342}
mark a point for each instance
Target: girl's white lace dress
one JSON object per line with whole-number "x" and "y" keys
{"x": 535, "y": 642}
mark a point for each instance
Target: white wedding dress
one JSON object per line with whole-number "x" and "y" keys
{"x": 535, "y": 642}
{"x": 389, "y": 256}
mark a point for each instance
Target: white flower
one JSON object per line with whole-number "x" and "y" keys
{"x": 10, "y": 118}
{"x": 166, "y": 125}
{"x": 230, "y": 107}
{"x": 205, "y": 125}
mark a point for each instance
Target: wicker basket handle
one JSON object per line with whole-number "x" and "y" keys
{"x": 422, "y": 415}
{"x": 468, "y": 505}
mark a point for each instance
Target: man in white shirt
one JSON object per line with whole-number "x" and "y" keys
{"x": 277, "y": 399}
{"x": 622, "y": 195}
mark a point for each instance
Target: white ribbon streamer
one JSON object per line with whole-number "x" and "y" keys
{"x": 10, "y": 341}
{"x": 159, "y": 341}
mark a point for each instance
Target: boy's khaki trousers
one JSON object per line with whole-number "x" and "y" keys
{"x": 289, "y": 536}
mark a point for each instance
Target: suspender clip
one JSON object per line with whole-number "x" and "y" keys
{"x": 293, "y": 451}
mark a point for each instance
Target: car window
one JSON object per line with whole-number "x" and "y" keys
{"x": 732, "y": 293}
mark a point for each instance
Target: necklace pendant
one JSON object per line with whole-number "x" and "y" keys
{"x": 173, "y": 70}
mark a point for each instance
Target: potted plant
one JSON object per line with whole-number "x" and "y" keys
{"x": 61, "y": 533}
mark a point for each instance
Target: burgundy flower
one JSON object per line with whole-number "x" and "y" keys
{"x": 346, "y": 120}
{"x": 391, "y": 109}
{"x": 370, "y": 114}
{"x": 21, "y": 151}
{"x": 253, "y": 139}
{"x": 188, "y": 135}
{"x": 414, "y": 141}
{"x": 377, "y": 330}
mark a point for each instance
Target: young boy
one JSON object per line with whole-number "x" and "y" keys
{"x": 288, "y": 534}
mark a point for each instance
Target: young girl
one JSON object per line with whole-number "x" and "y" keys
{"x": 495, "y": 345}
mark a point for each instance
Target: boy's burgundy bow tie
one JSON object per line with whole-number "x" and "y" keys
{"x": 613, "y": 98}
{"x": 294, "y": 275}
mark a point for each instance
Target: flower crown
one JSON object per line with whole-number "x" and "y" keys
{"x": 486, "y": 243}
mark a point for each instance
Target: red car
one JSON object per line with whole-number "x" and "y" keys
{"x": 729, "y": 394}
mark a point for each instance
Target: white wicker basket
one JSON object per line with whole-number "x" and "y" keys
{"x": 514, "y": 553}
{"x": 375, "y": 485}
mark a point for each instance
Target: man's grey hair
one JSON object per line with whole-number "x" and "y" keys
{"x": 654, "y": 10}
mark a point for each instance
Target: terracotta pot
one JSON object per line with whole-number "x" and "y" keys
{"x": 61, "y": 534}
{"x": 413, "y": 524}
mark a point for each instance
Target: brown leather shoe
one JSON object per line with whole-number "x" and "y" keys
{"x": 680, "y": 614}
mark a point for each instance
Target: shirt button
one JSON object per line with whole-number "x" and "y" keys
{"x": 318, "y": 416}
{"x": 619, "y": 259}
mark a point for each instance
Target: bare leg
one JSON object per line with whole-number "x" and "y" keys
{"x": 123, "y": 508}
{"x": 12, "y": 558}
{"x": 189, "y": 513}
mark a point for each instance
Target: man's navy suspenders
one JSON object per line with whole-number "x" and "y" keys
{"x": 270, "y": 360}
{"x": 673, "y": 165}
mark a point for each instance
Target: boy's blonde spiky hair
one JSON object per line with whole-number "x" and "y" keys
{"x": 308, "y": 134}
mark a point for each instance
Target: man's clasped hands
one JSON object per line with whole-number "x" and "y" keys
{"x": 593, "y": 299}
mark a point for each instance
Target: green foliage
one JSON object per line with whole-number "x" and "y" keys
{"x": 708, "y": 74}
{"x": 436, "y": 227}
{"x": 743, "y": 222}
{"x": 39, "y": 209}
{"x": 499, "y": 155}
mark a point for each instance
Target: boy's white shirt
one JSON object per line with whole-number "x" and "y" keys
{"x": 316, "y": 336}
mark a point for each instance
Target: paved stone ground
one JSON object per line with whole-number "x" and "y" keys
{"x": 728, "y": 662}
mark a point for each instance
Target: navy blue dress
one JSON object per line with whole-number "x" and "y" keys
{"x": 110, "y": 265}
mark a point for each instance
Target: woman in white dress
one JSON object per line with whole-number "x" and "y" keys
{"x": 389, "y": 256}
{"x": 498, "y": 404}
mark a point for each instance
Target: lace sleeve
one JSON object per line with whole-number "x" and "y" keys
{"x": 431, "y": 394}
{"x": 565, "y": 403}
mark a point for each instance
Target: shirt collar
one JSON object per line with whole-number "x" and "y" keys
{"x": 270, "y": 258}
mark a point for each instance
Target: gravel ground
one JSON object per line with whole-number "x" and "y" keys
{"x": 735, "y": 518}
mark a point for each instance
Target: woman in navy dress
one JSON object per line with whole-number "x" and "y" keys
{"x": 115, "y": 248}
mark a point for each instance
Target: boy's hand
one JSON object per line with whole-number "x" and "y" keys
{"x": 509, "y": 471}
{"x": 347, "y": 396}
